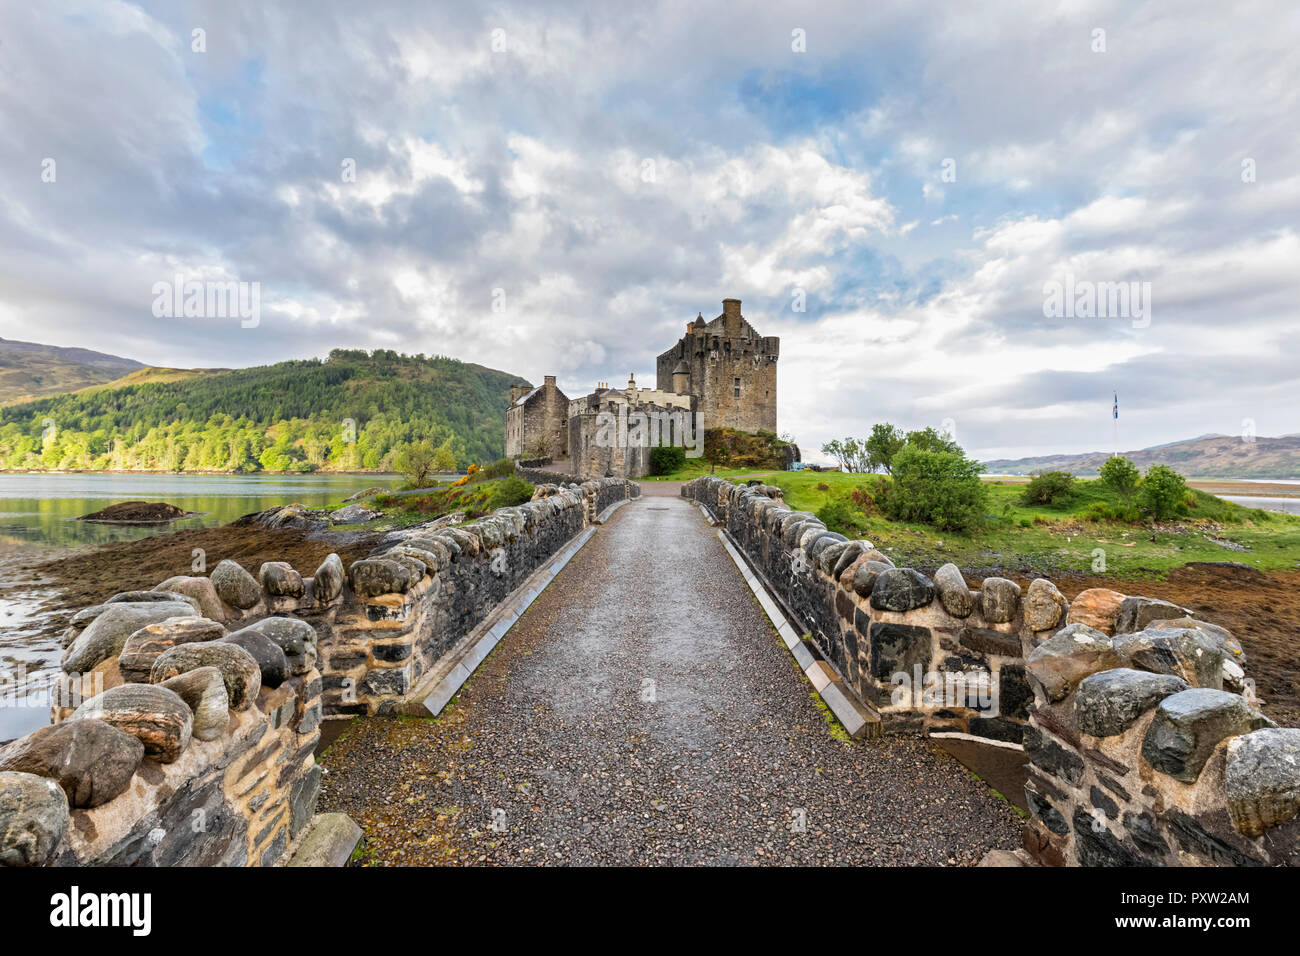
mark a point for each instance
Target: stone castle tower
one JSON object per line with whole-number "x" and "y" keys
{"x": 728, "y": 368}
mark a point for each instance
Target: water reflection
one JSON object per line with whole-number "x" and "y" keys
{"x": 43, "y": 508}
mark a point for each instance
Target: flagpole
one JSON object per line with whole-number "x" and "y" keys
{"x": 1115, "y": 420}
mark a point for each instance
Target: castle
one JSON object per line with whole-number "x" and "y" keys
{"x": 720, "y": 374}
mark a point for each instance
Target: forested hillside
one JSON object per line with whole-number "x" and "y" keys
{"x": 346, "y": 413}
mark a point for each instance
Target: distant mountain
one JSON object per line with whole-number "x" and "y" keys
{"x": 350, "y": 412}
{"x": 29, "y": 371}
{"x": 1210, "y": 456}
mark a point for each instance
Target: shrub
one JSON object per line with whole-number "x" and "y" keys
{"x": 466, "y": 478}
{"x": 1119, "y": 475}
{"x": 1049, "y": 488}
{"x": 1106, "y": 511}
{"x": 509, "y": 491}
{"x": 864, "y": 500}
{"x": 840, "y": 517}
{"x": 666, "y": 459}
{"x": 1162, "y": 492}
{"x": 941, "y": 488}
{"x": 501, "y": 468}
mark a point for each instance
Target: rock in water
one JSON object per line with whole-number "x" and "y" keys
{"x": 91, "y": 760}
{"x": 145, "y": 512}
{"x": 328, "y": 581}
{"x": 105, "y": 636}
{"x": 281, "y": 580}
{"x": 201, "y": 590}
{"x": 235, "y": 586}
{"x": 239, "y": 669}
{"x": 270, "y": 658}
{"x": 155, "y": 716}
{"x": 144, "y": 646}
{"x": 205, "y": 692}
{"x": 33, "y": 818}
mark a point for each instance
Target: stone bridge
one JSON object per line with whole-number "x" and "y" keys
{"x": 693, "y": 675}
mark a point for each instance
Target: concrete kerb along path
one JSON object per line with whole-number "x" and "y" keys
{"x": 857, "y": 720}
{"x": 433, "y": 694}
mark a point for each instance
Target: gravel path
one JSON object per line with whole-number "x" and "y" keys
{"x": 644, "y": 711}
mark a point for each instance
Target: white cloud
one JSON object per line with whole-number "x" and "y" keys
{"x": 617, "y": 171}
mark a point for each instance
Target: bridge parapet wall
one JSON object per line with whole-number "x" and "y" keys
{"x": 187, "y": 717}
{"x": 928, "y": 655}
{"x": 1143, "y": 738}
{"x": 387, "y": 620}
{"x": 173, "y": 741}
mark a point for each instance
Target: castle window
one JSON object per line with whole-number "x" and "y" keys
{"x": 735, "y": 388}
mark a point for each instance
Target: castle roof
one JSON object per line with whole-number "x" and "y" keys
{"x": 523, "y": 399}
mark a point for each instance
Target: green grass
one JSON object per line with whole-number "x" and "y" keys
{"x": 1059, "y": 538}
{"x": 476, "y": 498}
{"x": 695, "y": 467}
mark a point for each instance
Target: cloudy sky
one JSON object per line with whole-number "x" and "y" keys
{"x": 545, "y": 187}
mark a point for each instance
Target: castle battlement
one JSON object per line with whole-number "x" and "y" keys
{"x": 728, "y": 367}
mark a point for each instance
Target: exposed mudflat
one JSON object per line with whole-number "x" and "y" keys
{"x": 72, "y": 580}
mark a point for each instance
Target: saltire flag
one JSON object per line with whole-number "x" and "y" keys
{"x": 1115, "y": 410}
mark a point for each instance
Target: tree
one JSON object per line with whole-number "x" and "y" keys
{"x": 927, "y": 439}
{"x": 885, "y": 442}
{"x": 1120, "y": 475}
{"x": 1162, "y": 492}
{"x": 849, "y": 452}
{"x": 940, "y": 488}
{"x": 415, "y": 460}
{"x": 443, "y": 459}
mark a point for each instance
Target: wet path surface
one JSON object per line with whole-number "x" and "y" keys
{"x": 644, "y": 711}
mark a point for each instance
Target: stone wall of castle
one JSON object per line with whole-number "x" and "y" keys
{"x": 732, "y": 371}
{"x": 539, "y": 425}
{"x": 1144, "y": 744}
{"x": 602, "y": 443}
